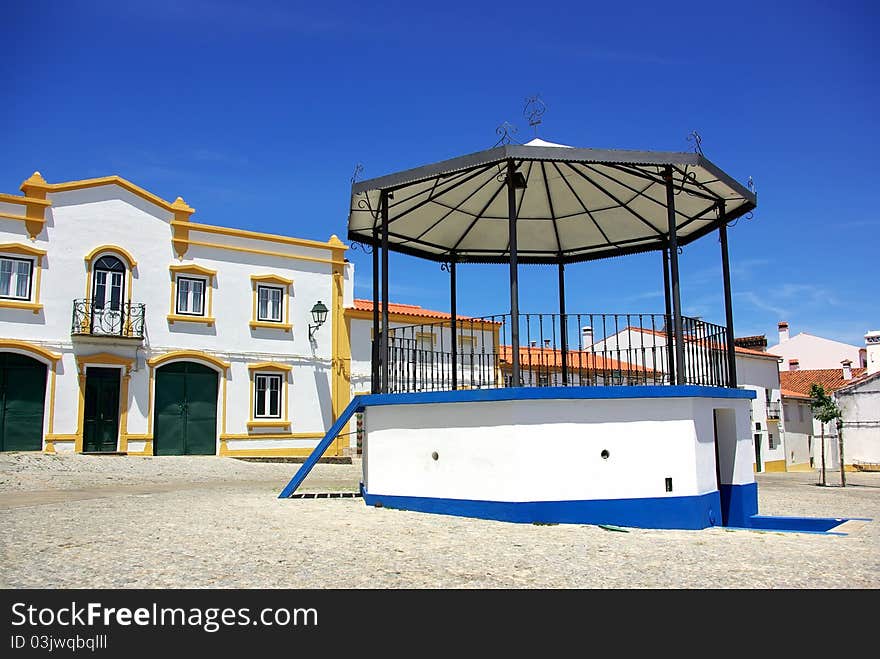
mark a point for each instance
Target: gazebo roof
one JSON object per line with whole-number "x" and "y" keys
{"x": 577, "y": 204}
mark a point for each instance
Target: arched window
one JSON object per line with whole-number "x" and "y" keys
{"x": 108, "y": 283}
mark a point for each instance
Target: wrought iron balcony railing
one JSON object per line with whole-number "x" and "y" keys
{"x": 577, "y": 350}
{"x": 773, "y": 410}
{"x": 123, "y": 320}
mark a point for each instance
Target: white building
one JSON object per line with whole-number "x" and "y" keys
{"x": 813, "y": 352}
{"x": 127, "y": 327}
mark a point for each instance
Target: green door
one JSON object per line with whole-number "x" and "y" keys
{"x": 101, "y": 412}
{"x": 22, "y": 393}
{"x": 186, "y": 410}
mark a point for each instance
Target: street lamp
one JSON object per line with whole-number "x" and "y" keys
{"x": 319, "y": 314}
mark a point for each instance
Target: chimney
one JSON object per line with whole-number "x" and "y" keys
{"x": 586, "y": 336}
{"x": 546, "y": 343}
{"x": 872, "y": 348}
{"x": 533, "y": 344}
{"x": 793, "y": 365}
{"x": 847, "y": 369}
{"x": 783, "y": 331}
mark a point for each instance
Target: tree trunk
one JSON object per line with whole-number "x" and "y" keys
{"x": 823, "y": 454}
{"x": 840, "y": 452}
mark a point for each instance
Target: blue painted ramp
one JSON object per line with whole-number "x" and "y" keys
{"x": 321, "y": 448}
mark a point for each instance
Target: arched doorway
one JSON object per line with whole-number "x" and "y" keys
{"x": 185, "y": 410}
{"x": 22, "y": 397}
{"x": 108, "y": 290}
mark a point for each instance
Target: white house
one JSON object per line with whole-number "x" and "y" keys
{"x": 127, "y": 327}
{"x": 813, "y": 352}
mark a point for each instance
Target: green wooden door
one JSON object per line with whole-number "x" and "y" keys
{"x": 101, "y": 411}
{"x": 22, "y": 393}
{"x": 186, "y": 410}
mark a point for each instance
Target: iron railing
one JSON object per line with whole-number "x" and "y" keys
{"x": 124, "y": 320}
{"x": 773, "y": 410}
{"x": 599, "y": 349}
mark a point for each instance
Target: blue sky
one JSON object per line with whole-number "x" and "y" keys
{"x": 257, "y": 113}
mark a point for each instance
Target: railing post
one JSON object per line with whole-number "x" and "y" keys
{"x": 673, "y": 262}
{"x": 563, "y": 325}
{"x": 514, "y": 283}
{"x": 384, "y": 335}
{"x": 728, "y": 302}
{"x": 374, "y": 363}
{"x": 453, "y": 321}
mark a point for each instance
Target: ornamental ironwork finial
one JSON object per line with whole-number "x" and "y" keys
{"x": 505, "y": 133}
{"x": 534, "y": 111}
{"x": 358, "y": 170}
{"x": 697, "y": 139}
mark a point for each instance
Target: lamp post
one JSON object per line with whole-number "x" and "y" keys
{"x": 319, "y": 315}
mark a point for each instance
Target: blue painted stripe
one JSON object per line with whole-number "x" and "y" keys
{"x": 694, "y": 512}
{"x": 556, "y": 393}
{"x": 738, "y": 503}
{"x": 797, "y": 524}
{"x": 354, "y": 406}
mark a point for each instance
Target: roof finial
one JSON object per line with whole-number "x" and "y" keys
{"x": 505, "y": 133}
{"x": 697, "y": 139}
{"x": 534, "y": 110}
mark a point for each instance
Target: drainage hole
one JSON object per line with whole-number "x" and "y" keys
{"x": 605, "y": 454}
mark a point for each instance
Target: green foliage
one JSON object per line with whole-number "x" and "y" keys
{"x": 823, "y": 406}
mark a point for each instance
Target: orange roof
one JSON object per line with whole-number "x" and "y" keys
{"x": 406, "y": 310}
{"x": 788, "y": 393}
{"x": 831, "y": 378}
{"x": 550, "y": 358}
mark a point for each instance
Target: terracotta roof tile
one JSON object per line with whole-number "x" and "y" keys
{"x": 550, "y": 358}
{"x": 412, "y": 310}
{"x": 831, "y": 378}
{"x": 689, "y": 338}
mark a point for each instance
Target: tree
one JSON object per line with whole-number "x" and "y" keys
{"x": 826, "y": 410}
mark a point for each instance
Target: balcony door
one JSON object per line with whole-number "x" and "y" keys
{"x": 108, "y": 287}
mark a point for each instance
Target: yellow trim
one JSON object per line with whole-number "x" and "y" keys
{"x": 264, "y": 324}
{"x": 123, "y": 412}
{"x": 103, "y": 359}
{"x": 23, "y": 201}
{"x": 14, "y": 304}
{"x": 223, "y": 414}
{"x": 271, "y": 279}
{"x": 80, "y": 412}
{"x": 38, "y": 184}
{"x": 288, "y": 435}
{"x": 270, "y": 366}
{"x": 192, "y": 269}
{"x": 427, "y": 335}
{"x": 250, "y": 250}
{"x": 111, "y": 248}
{"x": 173, "y": 317}
{"x": 18, "y": 248}
{"x": 35, "y": 204}
{"x": 278, "y": 282}
{"x": 264, "y": 452}
{"x": 61, "y": 438}
{"x": 277, "y": 423}
{"x": 268, "y": 237}
{"x": 774, "y": 466}
{"x": 340, "y": 391}
{"x": 179, "y": 355}
{"x": 50, "y": 429}
{"x": 801, "y": 466}
{"x": 36, "y": 350}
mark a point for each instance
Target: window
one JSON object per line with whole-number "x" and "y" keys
{"x": 467, "y": 345}
{"x": 267, "y": 396}
{"x": 543, "y": 380}
{"x": 269, "y": 300}
{"x": 190, "y": 296}
{"x": 771, "y": 441}
{"x": 15, "y": 278}
{"x": 425, "y": 340}
{"x": 801, "y": 412}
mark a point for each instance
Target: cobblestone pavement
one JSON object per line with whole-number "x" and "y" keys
{"x": 126, "y": 522}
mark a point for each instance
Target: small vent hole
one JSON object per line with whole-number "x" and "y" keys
{"x": 605, "y": 454}
{"x": 435, "y": 456}
{"x": 669, "y": 485}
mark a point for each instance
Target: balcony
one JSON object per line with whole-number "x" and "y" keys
{"x": 124, "y": 320}
{"x": 773, "y": 410}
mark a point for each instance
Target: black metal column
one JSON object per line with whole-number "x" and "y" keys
{"x": 514, "y": 283}
{"x": 453, "y": 323}
{"x": 670, "y": 354}
{"x": 384, "y": 346}
{"x": 374, "y": 371}
{"x": 673, "y": 262}
{"x": 728, "y": 301}
{"x": 563, "y": 325}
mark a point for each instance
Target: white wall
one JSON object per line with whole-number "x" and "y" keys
{"x": 861, "y": 431}
{"x": 797, "y": 426}
{"x": 550, "y": 450}
{"x": 814, "y": 352}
